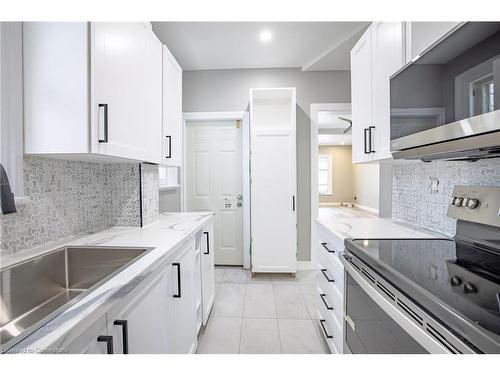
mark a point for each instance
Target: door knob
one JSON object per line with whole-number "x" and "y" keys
{"x": 240, "y": 197}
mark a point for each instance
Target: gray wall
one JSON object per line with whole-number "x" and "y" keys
{"x": 228, "y": 90}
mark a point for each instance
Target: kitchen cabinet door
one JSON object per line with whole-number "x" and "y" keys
{"x": 172, "y": 110}
{"x": 127, "y": 97}
{"x": 139, "y": 324}
{"x": 182, "y": 307}
{"x": 387, "y": 58}
{"x": 86, "y": 341}
{"x": 361, "y": 97}
{"x": 207, "y": 271}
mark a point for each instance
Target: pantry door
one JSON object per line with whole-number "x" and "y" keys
{"x": 215, "y": 183}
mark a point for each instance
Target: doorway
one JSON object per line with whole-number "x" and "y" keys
{"x": 215, "y": 180}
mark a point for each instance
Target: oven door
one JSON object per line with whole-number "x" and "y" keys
{"x": 369, "y": 329}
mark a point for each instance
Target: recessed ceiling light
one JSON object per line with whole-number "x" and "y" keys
{"x": 265, "y": 36}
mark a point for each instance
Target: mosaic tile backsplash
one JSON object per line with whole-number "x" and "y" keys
{"x": 419, "y": 199}
{"x": 150, "y": 194}
{"x": 70, "y": 197}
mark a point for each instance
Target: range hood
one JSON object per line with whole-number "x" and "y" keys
{"x": 445, "y": 104}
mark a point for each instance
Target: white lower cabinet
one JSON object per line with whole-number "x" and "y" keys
{"x": 182, "y": 336}
{"x": 207, "y": 271}
{"x": 86, "y": 341}
{"x": 139, "y": 324}
{"x": 330, "y": 288}
{"x": 163, "y": 314}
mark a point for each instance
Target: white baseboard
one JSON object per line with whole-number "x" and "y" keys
{"x": 304, "y": 265}
{"x": 366, "y": 208}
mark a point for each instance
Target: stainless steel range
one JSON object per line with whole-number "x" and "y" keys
{"x": 429, "y": 295}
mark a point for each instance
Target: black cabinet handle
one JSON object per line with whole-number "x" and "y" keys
{"x": 124, "y": 325}
{"x": 293, "y": 203}
{"x": 324, "y": 244}
{"x": 370, "y": 139}
{"x": 208, "y": 243}
{"x": 323, "y": 295}
{"x": 322, "y": 322}
{"x": 105, "y": 139}
{"x": 109, "y": 342}
{"x": 323, "y": 271}
{"x": 169, "y": 137}
{"x": 367, "y": 130}
{"x": 178, "y": 265}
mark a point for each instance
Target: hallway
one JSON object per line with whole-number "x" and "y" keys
{"x": 265, "y": 314}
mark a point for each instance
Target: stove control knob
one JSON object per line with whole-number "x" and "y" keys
{"x": 469, "y": 288}
{"x": 472, "y": 203}
{"x": 455, "y": 281}
{"x": 457, "y": 201}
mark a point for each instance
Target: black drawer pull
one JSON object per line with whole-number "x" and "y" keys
{"x": 208, "y": 243}
{"x": 178, "y": 265}
{"x": 323, "y": 271}
{"x": 323, "y": 295}
{"x": 124, "y": 325}
{"x": 322, "y": 322}
{"x": 109, "y": 343}
{"x": 324, "y": 244}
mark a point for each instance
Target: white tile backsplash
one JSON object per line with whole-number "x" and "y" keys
{"x": 417, "y": 200}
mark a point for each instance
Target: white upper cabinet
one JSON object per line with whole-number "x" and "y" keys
{"x": 172, "y": 110}
{"x": 387, "y": 57}
{"x": 93, "y": 90}
{"x": 378, "y": 54}
{"x": 361, "y": 97}
{"x": 421, "y": 35}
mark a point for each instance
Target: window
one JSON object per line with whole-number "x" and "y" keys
{"x": 325, "y": 174}
{"x": 168, "y": 176}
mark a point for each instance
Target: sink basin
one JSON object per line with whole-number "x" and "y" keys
{"x": 36, "y": 290}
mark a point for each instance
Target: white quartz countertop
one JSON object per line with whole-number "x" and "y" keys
{"x": 164, "y": 237}
{"x": 345, "y": 222}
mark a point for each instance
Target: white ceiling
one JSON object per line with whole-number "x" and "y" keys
{"x": 236, "y": 45}
{"x": 331, "y": 128}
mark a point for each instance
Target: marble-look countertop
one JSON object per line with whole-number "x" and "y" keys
{"x": 164, "y": 236}
{"x": 345, "y": 222}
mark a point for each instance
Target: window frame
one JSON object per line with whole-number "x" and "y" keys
{"x": 329, "y": 170}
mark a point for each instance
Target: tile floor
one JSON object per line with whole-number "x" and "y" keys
{"x": 264, "y": 314}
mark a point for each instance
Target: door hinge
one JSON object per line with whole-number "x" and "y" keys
{"x": 238, "y": 124}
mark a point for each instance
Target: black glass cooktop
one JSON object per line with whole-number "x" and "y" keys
{"x": 461, "y": 276}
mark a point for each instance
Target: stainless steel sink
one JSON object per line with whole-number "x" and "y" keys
{"x": 38, "y": 289}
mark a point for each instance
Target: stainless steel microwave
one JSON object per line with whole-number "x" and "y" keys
{"x": 445, "y": 103}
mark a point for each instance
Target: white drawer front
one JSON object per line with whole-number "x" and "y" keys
{"x": 331, "y": 330}
{"x": 332, "y": 272}
{"x": 332, "y": 298}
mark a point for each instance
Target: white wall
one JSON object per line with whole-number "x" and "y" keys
{"x": 228, "y": 90}
{"x": 342, "y": 176}
{"x": 366, "y": 185}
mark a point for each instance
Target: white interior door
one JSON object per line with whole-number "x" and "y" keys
{"x": 214, "y": 183}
